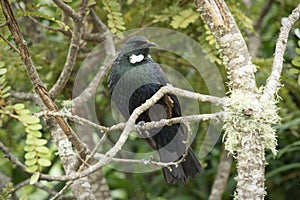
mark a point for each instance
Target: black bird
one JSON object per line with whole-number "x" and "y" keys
{"x": 133, "y": 79}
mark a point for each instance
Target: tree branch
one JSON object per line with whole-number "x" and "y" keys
{"x": 243, "y": 110}
{"x": 11, "y": 157}
{"x": 221, "y": 178}
{"x": 130, "y": 124}
{"x": 103, "y": 70}
{"x": 34, "y": 77}
{"x": 73, "y": 49}
{"x": 9, "y": 44}
{"x": 273, "y": 82}
{"x": 68, "y": 10}
{"x": 234, "y": 51}
{"x": 146, "y": 126}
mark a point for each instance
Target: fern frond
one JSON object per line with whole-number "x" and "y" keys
{"x": 210, "y": 46}
{"x": 184, "y": 18}
{"x": 43, "y": 16}
{"x": 6, "y": 191}
{"x": 243, "y": 21}
{"x": 4, "y": 89}
{"x": 37, "y": 155}
{"x": 114, "y": 15}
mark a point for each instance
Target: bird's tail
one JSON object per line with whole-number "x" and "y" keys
{"x": 186, "y": 169}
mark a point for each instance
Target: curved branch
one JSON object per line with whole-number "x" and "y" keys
{"x": 103, "y": 70}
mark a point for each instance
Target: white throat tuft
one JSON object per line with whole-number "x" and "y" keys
{"x": 136, "y": 58}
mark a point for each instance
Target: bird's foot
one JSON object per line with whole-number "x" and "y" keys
{"x": 141, "y": 130}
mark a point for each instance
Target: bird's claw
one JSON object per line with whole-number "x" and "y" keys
{"x": 141, "y": 130}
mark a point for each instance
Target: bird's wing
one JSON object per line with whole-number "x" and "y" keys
{"x": 170, "y": 101}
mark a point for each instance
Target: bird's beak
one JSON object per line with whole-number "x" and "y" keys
{"x": 151, "y": 44}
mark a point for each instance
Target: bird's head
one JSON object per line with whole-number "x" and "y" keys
{"x": 137, "y": 46}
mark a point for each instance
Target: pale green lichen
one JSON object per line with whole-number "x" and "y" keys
{"x": 245, "y": 117}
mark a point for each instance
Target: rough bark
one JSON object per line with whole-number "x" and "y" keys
{"x": 240, "y": 71}
{"x": 249, "y": 113}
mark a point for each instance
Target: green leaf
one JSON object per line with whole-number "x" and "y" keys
{"x": 6, "y": 89}
{"x": 184, "y": 18}
{"x": 32, "y": 120}
{"x": 30, "y": 155}
{"x": 3, "y": 71}
{"x": 35, "y": 127}
{"x": 24, "y": 112}
{"x": 296, "y": 61}
{"x": 44, "y": 162}
{"x": 32, "y": 168}
{"x": 30, "y": 141}
{"x": 283, "y": 169}
{"x": 23, "y": 197}
{"x": 294, "y": 71}
{"x": 115, "y": 19}
{"x": 2, "y": 64}
{"x": 34, "y": 178}
{"x": 129, "y": 2}
{"x": 35, "y": 133}
{"x": 19, "y": 106}
{"x": 40, "y": 142}
{"x": 29, "y": 148}
{"x": 42, "y": 149}
{"x": 30, "y": 162}
{"x": 44, "y": 155}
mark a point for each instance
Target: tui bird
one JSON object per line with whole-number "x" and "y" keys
{"x": 134, "y": 78}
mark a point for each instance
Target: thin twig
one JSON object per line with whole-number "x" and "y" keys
{"x": 10, "y": 44}
{"x": 73, "y": 49}
{"x": 67, "y": 9}
{"x": 62, "y": 30}
{"x": 38, "y": 185}
{"x": 11, "y": 157}
{"x": 262, "y": 14}
{"x": 62, "y": 191}
{"x": 146, "y": 126}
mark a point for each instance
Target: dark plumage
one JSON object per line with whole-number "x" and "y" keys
{"x": 133, "y": 79}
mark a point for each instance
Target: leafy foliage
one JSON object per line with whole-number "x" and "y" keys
{"x": 37, "y": 155}
{"x": 5, "y": 193}
{"x": 243, "y": 21}
{"x": 184, "y": 18}
{"x": 4, "y": 89}
{"x": 115, "y": 19}
{"x": 49, "y": 56}
{"x": 43, "y": 16}
{"x": 296, "y": 63}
